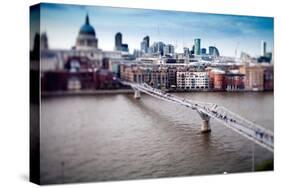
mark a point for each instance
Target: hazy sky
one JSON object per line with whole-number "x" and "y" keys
{"x": 226, "y": 32}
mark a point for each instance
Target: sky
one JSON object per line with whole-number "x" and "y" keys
{"x": 227, "y": 32}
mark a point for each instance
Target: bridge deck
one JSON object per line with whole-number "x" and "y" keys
{"x": 244, "y": 127}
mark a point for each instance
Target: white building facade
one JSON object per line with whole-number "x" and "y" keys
{"x": 192, "y": 80}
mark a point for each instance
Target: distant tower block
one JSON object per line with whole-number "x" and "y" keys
{"x": 263, "y": 48}
{"x": 44, "y": 41}
{"x": 137, "y": 94}
{"x": 118, "y": 41}
{"x": 197, "y": 46}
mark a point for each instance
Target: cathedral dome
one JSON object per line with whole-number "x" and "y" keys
{"x": 86, "y": 38}
{"x": 87, "y": 28}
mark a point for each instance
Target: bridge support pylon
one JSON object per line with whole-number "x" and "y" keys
{"x": 137, "y": 94}
{"x": 205, "y": 127}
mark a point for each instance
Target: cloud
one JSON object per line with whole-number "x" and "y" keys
{"x": 168, "y": 26}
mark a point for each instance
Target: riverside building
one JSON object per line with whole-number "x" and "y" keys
{"x": 192, "y": 80}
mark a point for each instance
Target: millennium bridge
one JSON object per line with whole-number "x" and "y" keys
{"x": 244, "y": 127}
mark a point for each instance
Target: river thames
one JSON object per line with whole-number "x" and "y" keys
{"x": 116, "y": 137}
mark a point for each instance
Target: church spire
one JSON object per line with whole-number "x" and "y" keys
{"x": 87, "y": 20}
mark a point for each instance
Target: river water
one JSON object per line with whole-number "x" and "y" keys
{"x": 115, "y": 137}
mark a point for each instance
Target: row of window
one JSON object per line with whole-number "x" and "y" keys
{"x": 193, "y": 87}
{"x": 187, "y": 79}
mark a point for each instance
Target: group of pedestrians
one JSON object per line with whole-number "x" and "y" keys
{"x": 218, "y": 115}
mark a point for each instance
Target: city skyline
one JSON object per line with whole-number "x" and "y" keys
{"x": 172, "y": 27}
{"x": 179, "y": 105}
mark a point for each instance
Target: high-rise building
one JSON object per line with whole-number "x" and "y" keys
{"x": 265, "y": 57}
{"x": 263, "y": 48}
{"x": 197, "y": 47}
{"x": 143, "y": 47}
{"x": 118, "y": 41}
{"x": 44, "y": 41}
{"x": 119, "y": 46}
{"x": 169, "y": 50}
{"x": 186, "y": 51}
{"x": 158, "y": 48}
{"x": 192, "y": 50}
{"x": 145, "y": 44}
{"x": 124, "y": 48}
{"x": 213, "y": 51}
{"x": 146, "y": 39}
{"x": 203, "y": 51}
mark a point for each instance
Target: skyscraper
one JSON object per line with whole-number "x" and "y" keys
{"x": 169, "y": 50}
{"x": 44, "y": 41}
{"x": 213, "y": 51}
{"x": 203, "y": 51}
{"x": 118, "y": 41}
{"x": 263, "y": 48}
{"x": 186, "y": 51}
{"x": 192, "y": 50}
{"x": 119, "y": 46}
{"x": 124, "y": 48}
{"x": 147, "y": 40}
{"x": 145, "y": 44}
{"x": 197, "y": 48}
{"x": 158, "y": 47}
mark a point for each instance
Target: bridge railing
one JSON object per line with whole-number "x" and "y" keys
{"x": 249, "y": 129}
